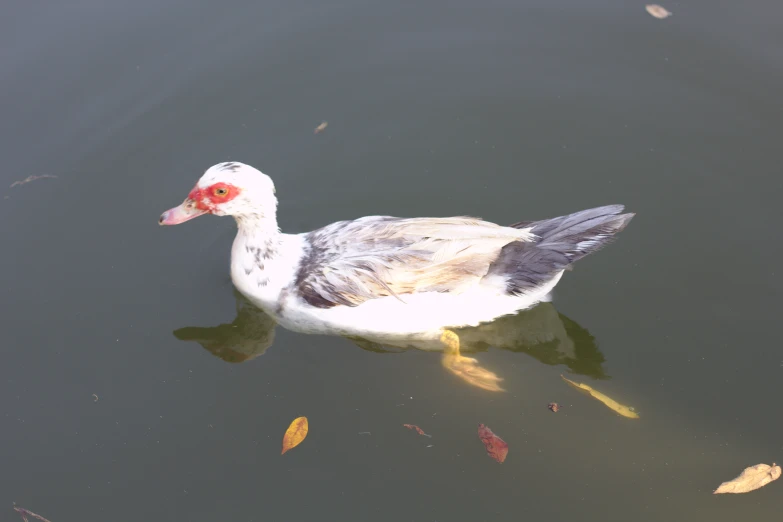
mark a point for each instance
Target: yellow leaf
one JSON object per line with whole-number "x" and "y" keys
{"x": 751, "y": 478}
{"x": 295, "y": 434}
{"x": 612, "y": 404}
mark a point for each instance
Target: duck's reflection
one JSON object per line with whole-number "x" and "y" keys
{"x": 246, "y": 337}
{"x": 541, "y": 332}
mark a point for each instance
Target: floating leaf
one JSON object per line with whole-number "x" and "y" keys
{"x": 555, "y": 407}
{"x": 612, "y": 404}
{"x": 321, "y": 127}
{"x": 27, "y": 513}
{"x": 752, "y": 478}
{"x": 657, "y": 11}
{"x": 496, "y": 447}
{"x": 28, "y": 179}
{"x": 295, "y": 434}
{"x": 418, "y": 430}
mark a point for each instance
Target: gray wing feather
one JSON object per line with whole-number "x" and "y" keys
{"x": 352, "y": 261}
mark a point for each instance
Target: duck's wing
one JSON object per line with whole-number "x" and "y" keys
{"x": 350, "y": 262}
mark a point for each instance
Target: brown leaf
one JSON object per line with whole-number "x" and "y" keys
{"x": 295, "y": 434}
{"x": 418, "y": 430}
{"x": 752, "y": 478}
{"x": 321, "y": 127}
{"x": 496, "y": 447}
{"x": 657, "y": 11}
{"x": 555, "y": 407}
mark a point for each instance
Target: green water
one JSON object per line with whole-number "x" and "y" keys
{"x": 504, "y": 110}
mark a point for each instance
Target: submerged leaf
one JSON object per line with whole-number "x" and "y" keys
{"x": 657, "y": 11}
{"x": 418, "y": 430}
{"x": 496, "y": 447}
{"x": 295, "y": 434}
{"x": 610, "y": 403}
{"x": 752, "y": 478}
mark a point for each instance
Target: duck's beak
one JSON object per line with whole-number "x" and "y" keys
{"x": 185, "y": 212}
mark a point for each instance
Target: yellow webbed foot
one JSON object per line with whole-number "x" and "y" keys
{"x": 466, "y": 368}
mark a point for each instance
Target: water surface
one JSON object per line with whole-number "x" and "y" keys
{"x": 503, "y": 110}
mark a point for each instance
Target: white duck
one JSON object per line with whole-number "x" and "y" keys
{"x": 387, "y": 277}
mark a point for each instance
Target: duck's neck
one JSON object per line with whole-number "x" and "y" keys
{"x": 264, "y": 261}
{"x": 259, "y": 235}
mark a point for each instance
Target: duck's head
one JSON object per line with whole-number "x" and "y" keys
{"x": 227, "y": 189}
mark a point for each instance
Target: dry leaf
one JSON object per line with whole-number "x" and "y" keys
{"x": 657, "y": 11}
{"x": 28, "y": 179}
{"x": 555, "y": 407}
{"x": 612, "y": 404}
{"x": 27, "y": 513}
{"x": 321, "y": 127}
{"x": 295, "y": 434}
{"x": 752, "y": 478}
{"x": 418, "y": 430}
{"x": 496, "y": 447}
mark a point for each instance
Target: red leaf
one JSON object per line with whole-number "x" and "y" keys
{"x": 496, "y": 447}
{"x": 418, "y": 430}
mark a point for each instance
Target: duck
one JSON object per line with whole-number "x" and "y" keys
{"x": 385, "y": 277}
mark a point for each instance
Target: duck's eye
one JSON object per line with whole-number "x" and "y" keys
{"x": 221, "y": 191}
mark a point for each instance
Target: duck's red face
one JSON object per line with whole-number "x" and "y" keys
{"x": 227, "y": 189}
{"x": 207, "y": 200}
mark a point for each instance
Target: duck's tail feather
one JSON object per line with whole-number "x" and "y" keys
{"x": 581, "y": 233}
{"x": 527, "y": 267}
